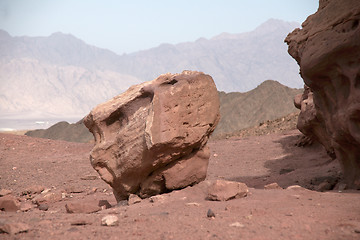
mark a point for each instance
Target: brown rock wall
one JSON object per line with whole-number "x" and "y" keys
{"x": 327, "y": 49}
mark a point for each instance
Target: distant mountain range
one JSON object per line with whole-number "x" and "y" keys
{"x": 268, "y": 101}
{"x": 61, "y": 75}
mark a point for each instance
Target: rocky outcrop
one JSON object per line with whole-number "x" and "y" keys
{"x": 152, "y": 138}
{"x": 310, "y": 124}
{"x": 327, "y": 48}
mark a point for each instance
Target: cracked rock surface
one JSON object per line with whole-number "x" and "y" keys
{"x": 152, "y": 138}
{"x": 327, "y": 49}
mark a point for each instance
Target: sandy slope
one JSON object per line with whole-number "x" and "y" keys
{"x": 255, "y": 160}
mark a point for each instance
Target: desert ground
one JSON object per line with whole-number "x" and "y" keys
{"x": 307, "y": 211}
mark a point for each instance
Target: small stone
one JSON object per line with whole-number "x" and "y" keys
{"x": 157, "y": 198}
{"x": 43, "y": 207}
{"x": 296, "y": 196}
{"x": 80, "y": 222}
{"x": 237, "y": 224}
{"x": 89, "y": 177}
{"x": 46, "y": 190}
{"x": 73, "y": 189}
{"x": 324, "y": 186}
{"x": 13, "y": 228}
{"x": 272, "y": 186}
{"x": 48, "y": 197}
{"x": 210, "y": 214}
{"x": 82, "y": 207}
{"x": 104, "y": 204}
{"x": 110, "y": 220}
{"x": 9, "y": 203}
{"x": 222, "y": 190}
{"x": 122, "y": 203}
{"x": 133, "y": 199}
{"x": 296, "y": 187}
{"x": 192, "y": 204}
{"x": 215, "y": 155}
{"x": 25, "y": 206}
{"x": 35, "y": 189}
{"x": 4, "y": 192}
{"x": 357, "y": 230}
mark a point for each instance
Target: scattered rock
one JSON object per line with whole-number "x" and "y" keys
{"x": 152, "y": 138}
{"x": 82, "y": 207}
{"x": 324, "y": 186}
{"x": 13, "y": 228}
{"x": 327, "y": 49}
{"x": 104, "y": 204}
{"x": 296, "y": 187}
{"x": 80, "y": 222}
{"x": 48, "y": 197}
{"x": 25, "y": 206}
{"x": 192, "y": 204}
{"x": 157, "y": 198}
{"x": 222, "y": 190}
{"x": 133, "y": 199}
{"x": 272, "y": 186}
{"x": 237, "y": 224}
{"x": 122, "y": 203}
{"x": 210, "y": 214}
{"x": 73, "y": 189}
{"x": 296, "y": 196}
{"x": 9, "y": 203}
{"x": 89, "y": 177}
{"x": 35, "y": 189}
{"x": 110, "y": 220}
{"x": 4, "y": 192}
{"x": 43, "y": 207}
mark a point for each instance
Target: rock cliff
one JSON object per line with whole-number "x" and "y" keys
{"x": 327, "y": 48}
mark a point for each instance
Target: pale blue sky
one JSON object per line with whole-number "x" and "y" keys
{"x": 133, "y": 25}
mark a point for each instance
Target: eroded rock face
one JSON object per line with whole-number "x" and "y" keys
{"x": 152, "y": 138}
{"x": 327, "y": 48}
{"x": 310, "y": 123}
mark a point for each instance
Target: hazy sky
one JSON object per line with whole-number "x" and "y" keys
{"x": 133, "y": 25}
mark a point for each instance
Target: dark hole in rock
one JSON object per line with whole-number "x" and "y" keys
{"x": 355, "y": 24}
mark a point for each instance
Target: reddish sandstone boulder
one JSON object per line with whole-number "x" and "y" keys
{"x": 152, "y": 138}
{"x": 327, "y": 48}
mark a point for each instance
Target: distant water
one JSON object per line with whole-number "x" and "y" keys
{"x": 30, "y": 124}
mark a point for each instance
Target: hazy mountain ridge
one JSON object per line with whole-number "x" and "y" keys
{"x": 269, "y": 101}
{"x": 237, "y": 62}
{"x": 62, "y": 75}
{"x": 53, "y": 90}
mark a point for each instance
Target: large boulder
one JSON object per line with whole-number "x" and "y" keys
{"x": 327, "y": 48}
{"x": 152, "y": 138}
